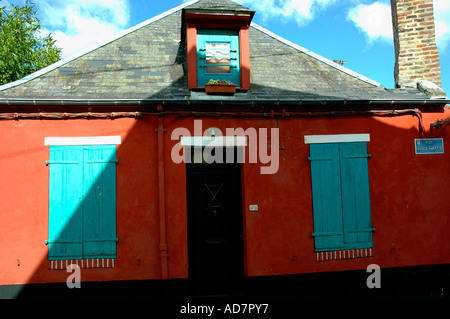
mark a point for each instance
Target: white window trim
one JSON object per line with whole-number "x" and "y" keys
{"x": 83, "y": 140}
{"x": 336, "y": 138}
{"x": 219, "y": 141}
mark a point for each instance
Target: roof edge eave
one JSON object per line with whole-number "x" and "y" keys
{"x": 15, "y": 102}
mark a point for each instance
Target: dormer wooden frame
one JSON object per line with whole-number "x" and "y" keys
{"x": 215, "y": 21}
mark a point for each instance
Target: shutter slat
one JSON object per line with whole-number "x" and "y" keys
{"x": 62, "y": 162}
{"x": 63, "y": 241}
{"x": 361, "y": 230}
{"x": 102, "y": 239}
{"x": 327, "y": 234}
{"x": 357, "y": 156}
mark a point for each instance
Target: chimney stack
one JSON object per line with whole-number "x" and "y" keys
{"x": 416, "y": 55}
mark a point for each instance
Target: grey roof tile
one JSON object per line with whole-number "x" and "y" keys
{"x": 218, "y": 5}
{"x": 150, "y": 63}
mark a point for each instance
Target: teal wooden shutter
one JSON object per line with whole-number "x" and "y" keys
{"x": 206, "y": 37}
{"x": 326, "y": 193}
{"x": 65, "y": 202}
{"x": 341, "y": 197}
{"x": 99, "y": 205}
{"x": 355, "y": 195}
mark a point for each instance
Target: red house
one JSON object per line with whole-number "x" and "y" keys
{"x": 123, "y": 176}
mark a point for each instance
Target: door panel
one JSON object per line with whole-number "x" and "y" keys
{"x": 215, "y": 245}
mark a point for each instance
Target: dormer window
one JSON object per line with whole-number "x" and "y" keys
{"x": 218, "y": 56}
{"x": 217, "y": 44}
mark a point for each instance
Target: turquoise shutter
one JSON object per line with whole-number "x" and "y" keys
{"x": 222, "y": 36}
{"x": 355, "y": 195}
{"x": 99, "y": 206}
{"x": 65, "y": 202}
{"x": 326, "y": 193}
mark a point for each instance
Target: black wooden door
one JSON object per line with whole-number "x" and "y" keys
{"x": 215, "y": 246}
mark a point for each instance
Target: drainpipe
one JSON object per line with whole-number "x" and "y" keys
{"x": 162, "y": 203}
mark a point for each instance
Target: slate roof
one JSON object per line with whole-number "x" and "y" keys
{"x": 218, "y": 5}
{"x": 148, "y": 63}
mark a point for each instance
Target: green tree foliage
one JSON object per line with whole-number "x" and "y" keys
{"x": 22, "y": 49}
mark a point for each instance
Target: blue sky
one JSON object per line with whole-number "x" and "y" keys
{"x": 356, "y": 31}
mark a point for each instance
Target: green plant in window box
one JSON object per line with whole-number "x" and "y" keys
{"x": 219, "y": 82}
{"x": 220, "y": 87}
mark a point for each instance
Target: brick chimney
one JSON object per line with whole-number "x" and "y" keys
{"x": 416, "y": 55}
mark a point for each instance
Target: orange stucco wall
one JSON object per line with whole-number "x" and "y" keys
{"x": 408, "y": 197}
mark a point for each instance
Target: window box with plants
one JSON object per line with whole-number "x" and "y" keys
{"x": 220, "y": 87}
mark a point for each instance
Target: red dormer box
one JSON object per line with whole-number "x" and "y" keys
{"x": 217, "y": 46}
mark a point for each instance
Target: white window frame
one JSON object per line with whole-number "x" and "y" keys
{"x": 83, "y": 140}
{"x": 336, "y": 138}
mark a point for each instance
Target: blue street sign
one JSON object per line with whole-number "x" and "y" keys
{"x": 429, "y": 146}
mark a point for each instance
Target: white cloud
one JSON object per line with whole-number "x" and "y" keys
{"x": 442, "y": 23}
{"x": 79, "y": 24}
{"x": 374, "y": 20}
{"x": 301, "y": 11}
